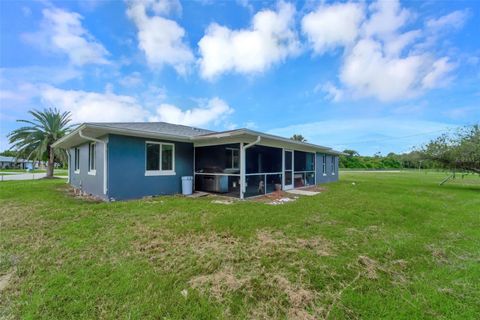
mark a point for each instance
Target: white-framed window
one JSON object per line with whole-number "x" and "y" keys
{"x": 76, "y": 160}
{"x": 160, "y": 158}
{"x": 333, "y": 165}
{"x": 324, "y": 164}
{"x": 233, "y": 158}
{"x": 91, "y": 158}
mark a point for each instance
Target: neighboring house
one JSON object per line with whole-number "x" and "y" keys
{"x": 14, "y": 163}
{"x": 117, "y": 161}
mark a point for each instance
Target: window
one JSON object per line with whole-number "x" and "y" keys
{"x": 160, "y": 158}
{"x": 333, "y": 165}
{"x": 324, "y": 164}
{"x": 77, "y": 160}
{"x": 167, "y": 157}
{"x": 233, "y": 158}
{"x": 91, "y": 158}
{"x": 153, "y": 157}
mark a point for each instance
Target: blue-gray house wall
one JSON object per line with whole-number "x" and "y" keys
{"x": 83, "y": 180}
{"x": 126, "y": 169}
{"x": 328, "y": 176}
{"x": 126, "y": 179}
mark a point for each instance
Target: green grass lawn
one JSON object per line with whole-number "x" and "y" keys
{"x": 372, "y": 246}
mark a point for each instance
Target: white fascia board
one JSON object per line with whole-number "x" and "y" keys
{"x": 104, "y": 130}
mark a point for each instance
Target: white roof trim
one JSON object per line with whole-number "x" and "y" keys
{"x": 62, "y": 143}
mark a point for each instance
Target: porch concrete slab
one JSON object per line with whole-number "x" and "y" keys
{"x": 198, "y": 194}
{"x": 302, "y": 192}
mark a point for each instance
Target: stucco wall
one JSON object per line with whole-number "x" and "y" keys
{"x": 328, "y": 177}
{"x": 92, "y": 184}
{"x": 126, "y": 169}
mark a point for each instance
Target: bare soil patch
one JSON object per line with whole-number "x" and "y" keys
{"x": 234, "y": 265}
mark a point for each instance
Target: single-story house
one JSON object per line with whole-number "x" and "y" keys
{"x": 117, "y": 161}
{"x": 15, "y": 163}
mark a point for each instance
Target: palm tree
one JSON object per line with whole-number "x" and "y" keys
{"x": 298, "y": 137}
{"x": 34, "y": 142}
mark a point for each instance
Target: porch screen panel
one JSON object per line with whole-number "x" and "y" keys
{"x": 262, "y": 159}
{"x": 304, "y": 174}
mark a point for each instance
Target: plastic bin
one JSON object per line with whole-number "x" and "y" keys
{"x": 187, "y": 185}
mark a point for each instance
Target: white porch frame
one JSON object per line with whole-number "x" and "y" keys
{"x": 285, "y": 186}
{"x": 242, "y": 166}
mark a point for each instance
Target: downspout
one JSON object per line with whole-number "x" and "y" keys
{"x": 104, "y": 142}
{"x": 243, "y": 148}
{"x": 69, "y": 166}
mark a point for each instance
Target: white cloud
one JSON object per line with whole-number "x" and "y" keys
{"x": 131, "y": 80}
{"x": 270, "y": 39}
{"x": 61, "y": 31}
{"x": 163, "y": 7}
{"x": 395, "y": 45}
{"x": 382, "y": 58}
{"x": 214, "y": 111}
{"x": 332, "y": 92}
{"x": 438, "y": 74}
{"x": 368, "y": 72}
{"x": 386, "y": 18}
{"x": 332, "y": 25}
{"x": 464, "y": 113}
{"x": 245, "y": 4}
{"x": 87, "y": 106}
{"x": 455, "y": 19}
{"x": 161, "y": 39}
{"x": 92, "y": 106}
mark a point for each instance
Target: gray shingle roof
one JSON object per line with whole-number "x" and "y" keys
{"x": 155, "y": 127}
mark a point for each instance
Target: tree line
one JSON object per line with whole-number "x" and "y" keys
{"x": 455, "y": 151}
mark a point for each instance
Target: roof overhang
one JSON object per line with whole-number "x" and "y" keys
{"x": 249, "y": 136}
{"x": 98, "y": 131}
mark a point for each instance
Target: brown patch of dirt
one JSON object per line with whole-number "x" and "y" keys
{"x": 232, "y": 264}
{"x": 394, "y": 269}
{"x": 274, "y": 196}
{"x": 439, "y": 255}
{"x": 279, "y": 242}
{"x": 370, "y": 267}
{"x": 5, "y": 280}
{"x": 296, "y": 295}
{"x": 79, "y": 194}
{"x": 315, "y": 188}
{"x": 220, "y": 283}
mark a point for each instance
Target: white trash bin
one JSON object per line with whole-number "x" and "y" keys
{"x": 187, "y": 185}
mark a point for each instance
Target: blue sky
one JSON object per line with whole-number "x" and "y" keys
{"x": 370, "y": 76}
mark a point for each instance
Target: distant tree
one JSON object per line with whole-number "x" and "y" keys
{"x": 8, "y": 153}
{"x": 459, "y": 151}
{"x": 298, "y": 137}
{"x": 34, "y": 142}
{"x": 351, "y": 153}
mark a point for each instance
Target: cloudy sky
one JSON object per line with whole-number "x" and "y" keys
{"x": 371, "y": 76}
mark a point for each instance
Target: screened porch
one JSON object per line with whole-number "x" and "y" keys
{"x": 218, "y": 169}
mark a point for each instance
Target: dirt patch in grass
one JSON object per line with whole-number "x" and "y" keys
{"x": 79, "y": 194}
{"x": 5, "y": 280}
{"x": 277, "y": 242}
{"x": 439, "y": 255}
{"x": 315, "y": 188}
{"x": 372, "y": 269}
{"x": 274, "y": 196}
{"x": 231, "y": 265}
{"x": 220, "y": 283}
